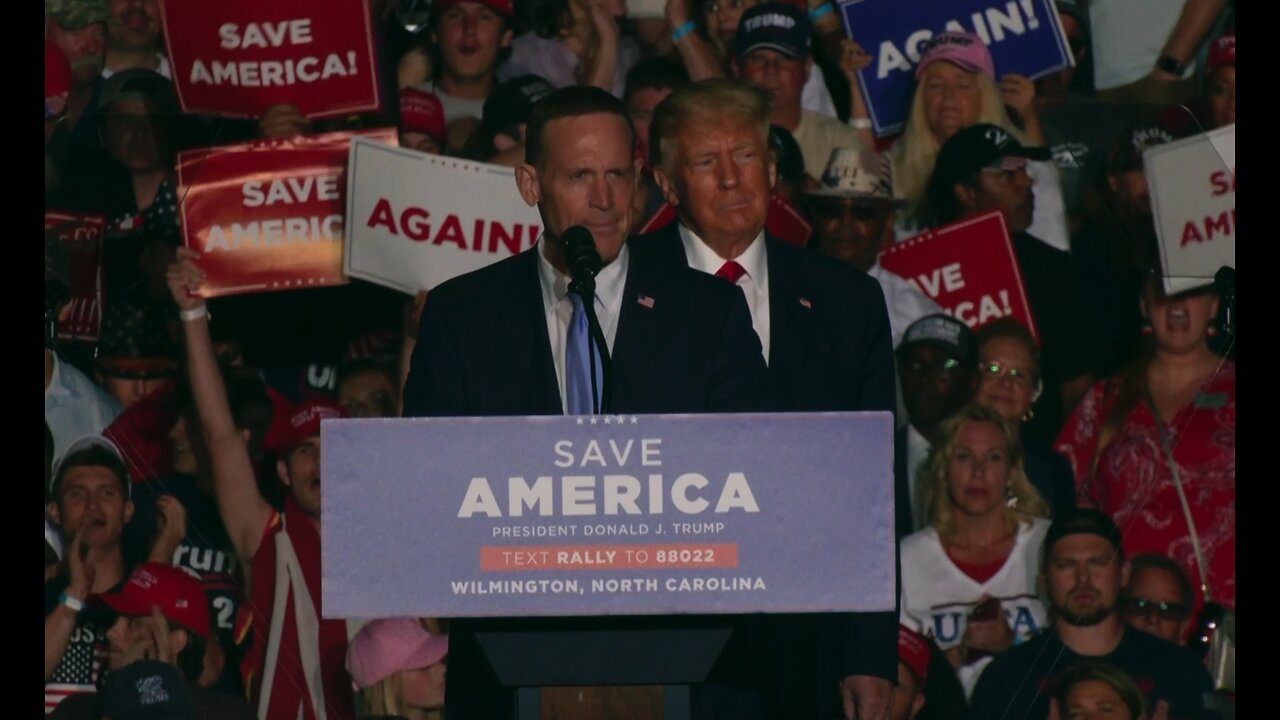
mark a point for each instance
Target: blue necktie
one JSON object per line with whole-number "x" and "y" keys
{"x": 577, "y": 380}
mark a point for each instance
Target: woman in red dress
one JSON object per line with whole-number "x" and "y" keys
{"x": 1113, "y": 443}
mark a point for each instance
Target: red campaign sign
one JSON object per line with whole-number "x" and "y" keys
{"x": 783, "y": 221}
{"x": 239, "y": 57}
{"x": 968, "y": 268}
{"x": 73, "y": 253}
{"x": 268, "y": 215}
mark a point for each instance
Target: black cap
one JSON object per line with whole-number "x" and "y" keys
{"x": 148, "y": 86}
{"x": 147, "y": 690}
{"x": 1083, "y": 521}
{"x": 773, "y": 26}
{"x": 790, "y": 158}
{"x": 945, "y": 333}
{"x": 511, "y": 103}
{"x": 977, "y": 147}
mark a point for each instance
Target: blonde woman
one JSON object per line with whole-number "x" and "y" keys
{"x": 969, "y": 578}
{"x": 956, "y": 88}
{"x": 400, "y": 669}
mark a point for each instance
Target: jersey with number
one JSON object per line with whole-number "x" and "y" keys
{"x": 937, "y": 596}
{"x": 205, "y": 552}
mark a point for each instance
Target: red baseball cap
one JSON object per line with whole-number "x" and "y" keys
{"x": 502, "y": 7}
{"x": 422, "y": 112}
{"x": 305, "y": 417}
{"x": 914, "y": 652}
{"x": 179, "y": 596}
{"x": 1222, "y": 52}
{"x": 57, "y": 80}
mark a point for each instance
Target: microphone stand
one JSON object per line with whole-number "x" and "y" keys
{"x": 1225, "y": 280}
{"x": 601, "y": 395}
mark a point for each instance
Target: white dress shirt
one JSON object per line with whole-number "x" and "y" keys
{"x": 610, "y": 283}
{"x": 906, "y": 304}
{"x": 918, "y": 448}
{"x": 74, "y": 406}
{"x": 754, "y": 283}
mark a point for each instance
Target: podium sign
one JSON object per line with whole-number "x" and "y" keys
{"x": 608, "y": 515}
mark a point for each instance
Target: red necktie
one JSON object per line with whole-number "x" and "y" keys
{"x": 731, "y": 271}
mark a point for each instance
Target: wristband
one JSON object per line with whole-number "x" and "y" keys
{"x": 820, "y": 11}
{"x": 1171, "y": 65}
{"x": 685, "y": 28}
{"x": 194, "y": 313}
{"x": 860, "y": 123}
{"x": 73, "y": 603}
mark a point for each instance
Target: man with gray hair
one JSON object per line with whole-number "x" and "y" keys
{"x": 825, "y": 336}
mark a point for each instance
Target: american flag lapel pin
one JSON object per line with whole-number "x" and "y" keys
{"x": 645, "y": 301}
{"x": 804, "y": 303}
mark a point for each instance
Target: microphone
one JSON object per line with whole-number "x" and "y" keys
{"x": 583, "y": 258}
{"x": 1225, "y": 279}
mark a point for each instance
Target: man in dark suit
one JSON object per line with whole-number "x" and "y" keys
{"x": 501, "y": 340}
{"x": 825, "y": 335}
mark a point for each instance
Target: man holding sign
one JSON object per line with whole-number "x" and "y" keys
{"x": 510, "y": 340}
{"x": 983, "y": 168}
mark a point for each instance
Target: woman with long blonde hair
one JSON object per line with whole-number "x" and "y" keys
{"x": 969, "y": 578}
{"x": 400, "y": 669}
{"x": 956, "y": 88}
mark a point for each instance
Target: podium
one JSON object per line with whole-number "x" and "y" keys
{"x": 606, "y": 551}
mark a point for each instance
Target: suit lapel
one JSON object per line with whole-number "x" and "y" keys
{"x": 638, "y": 325}
{"x": 526, "y": 326}
{"x": 787, "y": 317}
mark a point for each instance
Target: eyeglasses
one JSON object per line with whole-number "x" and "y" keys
{"x": 933, "y": 370}
{"x": 1142, "y": 607}
{"x": 996, "y": 372}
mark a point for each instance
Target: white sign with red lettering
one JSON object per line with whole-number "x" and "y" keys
{"x": 1193, "y": 197}
{"x": 416, "y": 220}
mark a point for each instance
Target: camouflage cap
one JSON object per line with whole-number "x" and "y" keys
{"x": 75, "y": 14}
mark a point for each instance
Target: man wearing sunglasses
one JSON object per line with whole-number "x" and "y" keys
{"x": 853, "y": 209}
{"x": 938, "y": 364}
{"x": 1158, "y": 598}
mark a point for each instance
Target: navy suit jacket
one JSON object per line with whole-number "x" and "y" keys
{"x": 832, "y": 352}
{"x": 483, "y": 347}
{"x": 483, "y": 350}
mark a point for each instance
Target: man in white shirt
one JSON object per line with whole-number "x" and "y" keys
{"x": 853, "y": 210}
{"x": 823, "y": 330}
{"x": 470, "y": 37}
{"x": 772, "y": 51}
{"x": 501, "y": 340}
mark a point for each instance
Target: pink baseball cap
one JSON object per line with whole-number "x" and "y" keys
{"x": 962, "y": 49}
{"x": 385, "y": 647}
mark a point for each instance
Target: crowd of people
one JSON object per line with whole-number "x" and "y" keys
{"x": 1065, "y": 494}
